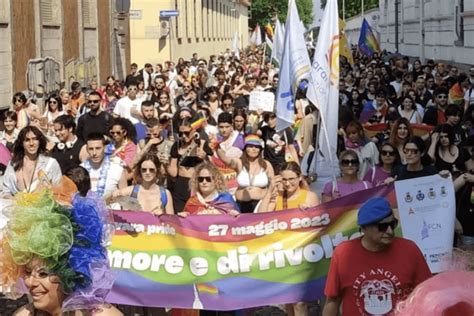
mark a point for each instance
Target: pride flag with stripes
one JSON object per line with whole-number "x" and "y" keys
{"x": 221, "y": 262}
{"x": 368, "y": 43}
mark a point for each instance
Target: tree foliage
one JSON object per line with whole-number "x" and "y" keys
{"x": 264, "y": 11}
{"x": 353, "y": 7}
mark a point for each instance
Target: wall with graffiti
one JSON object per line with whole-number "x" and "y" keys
{"x": 44, "y": 74}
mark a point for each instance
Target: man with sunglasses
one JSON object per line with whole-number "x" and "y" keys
{"x": 369, "y": 275}
{"x": 434, "y": 115}
{"x": 94, "y": 121}
{"x": 129, "y": 106}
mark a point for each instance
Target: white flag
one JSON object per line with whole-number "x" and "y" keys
{"x": 278, "y": 42}
{"x": 235, "y": 46}
{"x": 294, "y": 66}
{"x": 256, "y": 37}
{"x": 323, "y": 90}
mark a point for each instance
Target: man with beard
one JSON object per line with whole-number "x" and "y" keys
{"x": 435, "y": 115}
{"x": 94, "y": 121}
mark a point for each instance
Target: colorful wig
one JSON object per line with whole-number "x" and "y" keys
{"x": 450, "y": 293}
{"x": 70, "y": 240}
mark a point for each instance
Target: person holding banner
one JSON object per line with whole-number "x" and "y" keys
{"x": 418, "y": 163}
{"x": 389, "y": 158}
{"x": 348, "y": 182}
{"x": 210, "y": 196}
{"x": 365, "y": 274}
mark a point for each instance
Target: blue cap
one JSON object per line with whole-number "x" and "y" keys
{"x": 373, "y": 210}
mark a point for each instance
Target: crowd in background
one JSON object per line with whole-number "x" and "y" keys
{"x": 179, "y": 138}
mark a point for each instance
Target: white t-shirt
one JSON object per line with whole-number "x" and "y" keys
{"x": 469, "y": 96}
{"x": 113, "y": 177}
{"x": 124, "y": 105}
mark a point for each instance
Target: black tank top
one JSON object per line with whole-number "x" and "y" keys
{"x": 68, "y": 157}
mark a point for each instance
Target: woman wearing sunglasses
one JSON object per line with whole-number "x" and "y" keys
{"x": 348, "y": 182}
{"x": 58, "y": 253}
{"x": 151, "y": 196}
{"x": 418, "y": 164}
{"x": 389, "y": 158}
{"x": 289, "y": 190}
{"x": 253, "y": 173}
{"x": 187, "y": 152}
{"x": 54, "y": 108}
{"x": 210, "y": 196}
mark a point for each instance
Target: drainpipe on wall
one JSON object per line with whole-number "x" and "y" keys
{"x": 422, "y": 31}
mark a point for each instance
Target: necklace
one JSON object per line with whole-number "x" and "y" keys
{"x": 28, "y": 187}
{"x": 104, "y": 170}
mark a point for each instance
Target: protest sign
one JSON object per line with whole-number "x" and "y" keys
{"x": 427, "y": 209}
{"x": 260, "y": 100}
{"x": 220, "y": 262}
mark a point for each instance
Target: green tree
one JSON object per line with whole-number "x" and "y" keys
{"x": 353, "y": 7}
{"x": 263, "y": 11}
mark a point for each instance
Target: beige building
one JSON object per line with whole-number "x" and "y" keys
{"x": 47, "y": 44}
{"x": 204, "y": 27}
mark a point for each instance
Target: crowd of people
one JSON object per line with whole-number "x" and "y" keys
{"x": 180, "y": 139}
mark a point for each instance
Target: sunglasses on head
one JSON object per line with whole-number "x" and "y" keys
{"x": 388, "y": 153}
{"x": 352, "y": 162}
{"x": 202, "y": 179}
{"x": 382, "y": 227}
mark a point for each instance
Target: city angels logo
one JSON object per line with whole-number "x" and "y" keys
{"x": 376, "y": 291}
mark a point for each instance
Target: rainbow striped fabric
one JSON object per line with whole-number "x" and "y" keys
{"x": 221, "y": 262}
{"x": 368, "y": 44}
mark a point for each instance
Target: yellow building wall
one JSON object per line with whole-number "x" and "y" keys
{"x": 204, "y": 27}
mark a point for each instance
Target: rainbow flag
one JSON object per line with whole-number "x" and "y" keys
{"x": 368, "y": 44}
{"x": 418, "y": 129}
{"x": 197, "y": 124}
{"x": 207, "y": 288}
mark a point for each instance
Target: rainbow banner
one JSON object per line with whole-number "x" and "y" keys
{"x": 219, "y": 262}
{"x": 368, "y": 44}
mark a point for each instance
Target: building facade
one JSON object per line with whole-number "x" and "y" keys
{"x": 427, "y": 29}
{"x": 432, "y": 29}
{"x": 47, "y": 44}
{"x": 204, "y": 27}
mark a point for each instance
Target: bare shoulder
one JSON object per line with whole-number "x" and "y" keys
{"x": 313, "y": 198}
{"x": 107, "y": 310}
{"x": 25, "y": 310}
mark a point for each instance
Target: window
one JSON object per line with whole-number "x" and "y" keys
{"x": 89, "y": 14}
{"x": 49, "y": 12}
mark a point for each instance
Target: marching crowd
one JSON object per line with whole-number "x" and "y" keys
{"x": 180, "y": 139}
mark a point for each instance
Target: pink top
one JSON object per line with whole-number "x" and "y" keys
{"x": 376, "y": 175}
{"x": 345, "y": 188}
